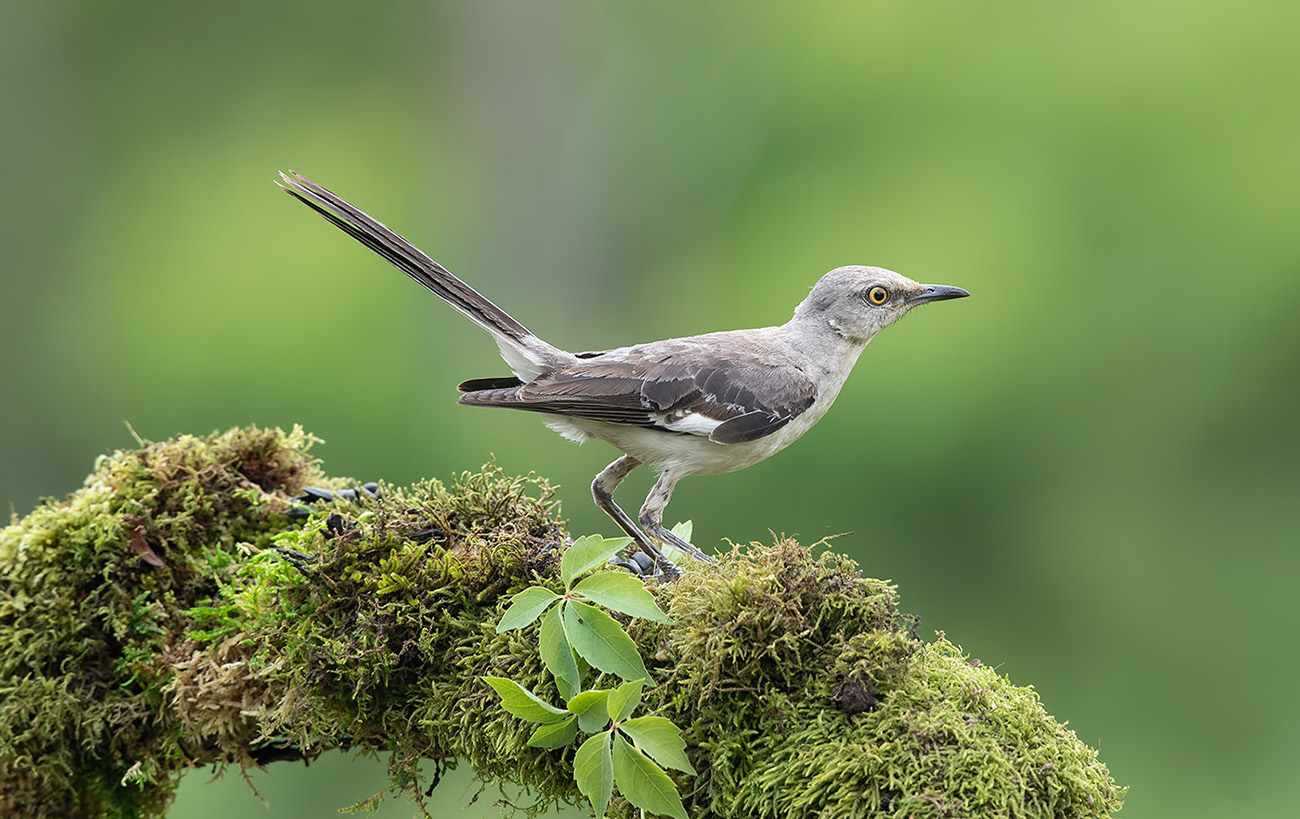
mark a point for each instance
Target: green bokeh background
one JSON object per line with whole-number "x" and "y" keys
{"x": 1086, "y": 474}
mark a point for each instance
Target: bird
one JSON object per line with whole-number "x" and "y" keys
{"x": 698, "y": 405}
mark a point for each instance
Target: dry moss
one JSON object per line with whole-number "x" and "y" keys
{"x": 171, "y": 614}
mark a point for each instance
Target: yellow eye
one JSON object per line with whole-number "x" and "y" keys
{"x": 877, "y": 295}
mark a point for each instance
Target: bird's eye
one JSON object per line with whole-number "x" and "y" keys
{"x": 877, "y": 295}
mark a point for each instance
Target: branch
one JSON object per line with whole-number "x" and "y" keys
{"x": 178, "y": 611}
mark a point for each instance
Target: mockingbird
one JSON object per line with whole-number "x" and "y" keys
{"x": 699, "y": 405}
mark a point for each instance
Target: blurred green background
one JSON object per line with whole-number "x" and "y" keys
{"x": 1086, "y": 474}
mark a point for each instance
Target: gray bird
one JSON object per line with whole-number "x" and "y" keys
{"x": 700, "y": 405}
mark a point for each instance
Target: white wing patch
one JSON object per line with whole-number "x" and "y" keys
{"x": 684, "y": 420}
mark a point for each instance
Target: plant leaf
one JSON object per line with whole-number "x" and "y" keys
{"x": 660, "y": 739}
{"x": 583, "y": 665}
{"x": 586, "y": 553}
{"x": 624, "y": 700}
{"x": 525, "y": 607}
{"x": 591, "y": 710}
{"x": 603, "y": 642}
{"x": 593, "y": 770}
{"x": 523, "y": 703}
{"x": 644, "y": 783}
{"x": 558, "y": 654}
{"x": 555, "y": 735}
{"x": 684, "y": 530}
{"x": 622, "y": 592}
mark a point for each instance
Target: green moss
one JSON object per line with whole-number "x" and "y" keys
{"x": 171, "y": 614}
{"x": 93, "y": 595}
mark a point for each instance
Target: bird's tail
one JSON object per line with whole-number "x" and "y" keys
{"x": 526, "y": 354}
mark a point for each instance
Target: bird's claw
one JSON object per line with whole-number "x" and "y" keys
{"x": 642, "y": 565}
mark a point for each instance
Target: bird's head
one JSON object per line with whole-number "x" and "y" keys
{"x": 856, "y": 302}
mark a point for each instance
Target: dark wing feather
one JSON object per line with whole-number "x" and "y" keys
{"x": 748, "y": 427}
{"x": 477, "y": 384}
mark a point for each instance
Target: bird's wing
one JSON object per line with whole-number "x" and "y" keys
{"x": 729, "y": 399}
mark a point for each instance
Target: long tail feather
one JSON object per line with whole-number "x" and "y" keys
{"x": 403, "y": 255}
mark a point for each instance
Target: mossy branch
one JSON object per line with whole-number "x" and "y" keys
{"x": 172, "y": 614}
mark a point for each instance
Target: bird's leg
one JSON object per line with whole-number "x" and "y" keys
{"x": 602, "y": 489}
{"x": 652, "y": 516}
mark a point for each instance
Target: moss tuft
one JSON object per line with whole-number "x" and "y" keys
{"x": 171, "y": 614}
{"x": 94, "y": 591}
{"x": 776, "y": 618}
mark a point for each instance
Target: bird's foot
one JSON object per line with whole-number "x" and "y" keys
{"x": 646, "y": 567}
{"x": 664, "y": 535}
{"x": 645, "y": 561}
{"x": 637, "y": 562}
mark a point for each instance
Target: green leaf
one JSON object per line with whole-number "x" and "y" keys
{"x": 558, "y": 654}
{"x": 586, "y": 553}
{"x": 624, "y": 700}
{"x": 622, "y": 592}
{"x": 660, "y": 739}
{"x": 603, "y": 642}
{"x": 523, "y": 703}
{"x": 593, "y": 770}
{"x": 526, "y": 607}
{"x": 684, "y": 530}
{"x": 591, "y": 710}
{"x": 555, "y": 735}
{"x": 644, "y": 783}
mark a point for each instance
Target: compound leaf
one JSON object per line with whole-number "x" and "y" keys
{"x": 557, "y": 654}
{"x": 624, "y": 700}
{"x": 644, "y": 783}
{"x": 591, "y": 710}
{"x": 555, "y": 735}
{"x": 660, "y": 739}
{"x": 601, "y": 641}
{"x": 593, "y": 770}
{"x": 525, "y": 607}
{"x": 621, "y": 592}
{"x": 523, "y": 703}
{"x": 586, "y": 553}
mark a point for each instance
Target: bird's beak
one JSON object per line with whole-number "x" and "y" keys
{"x": 937, "y": 292}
